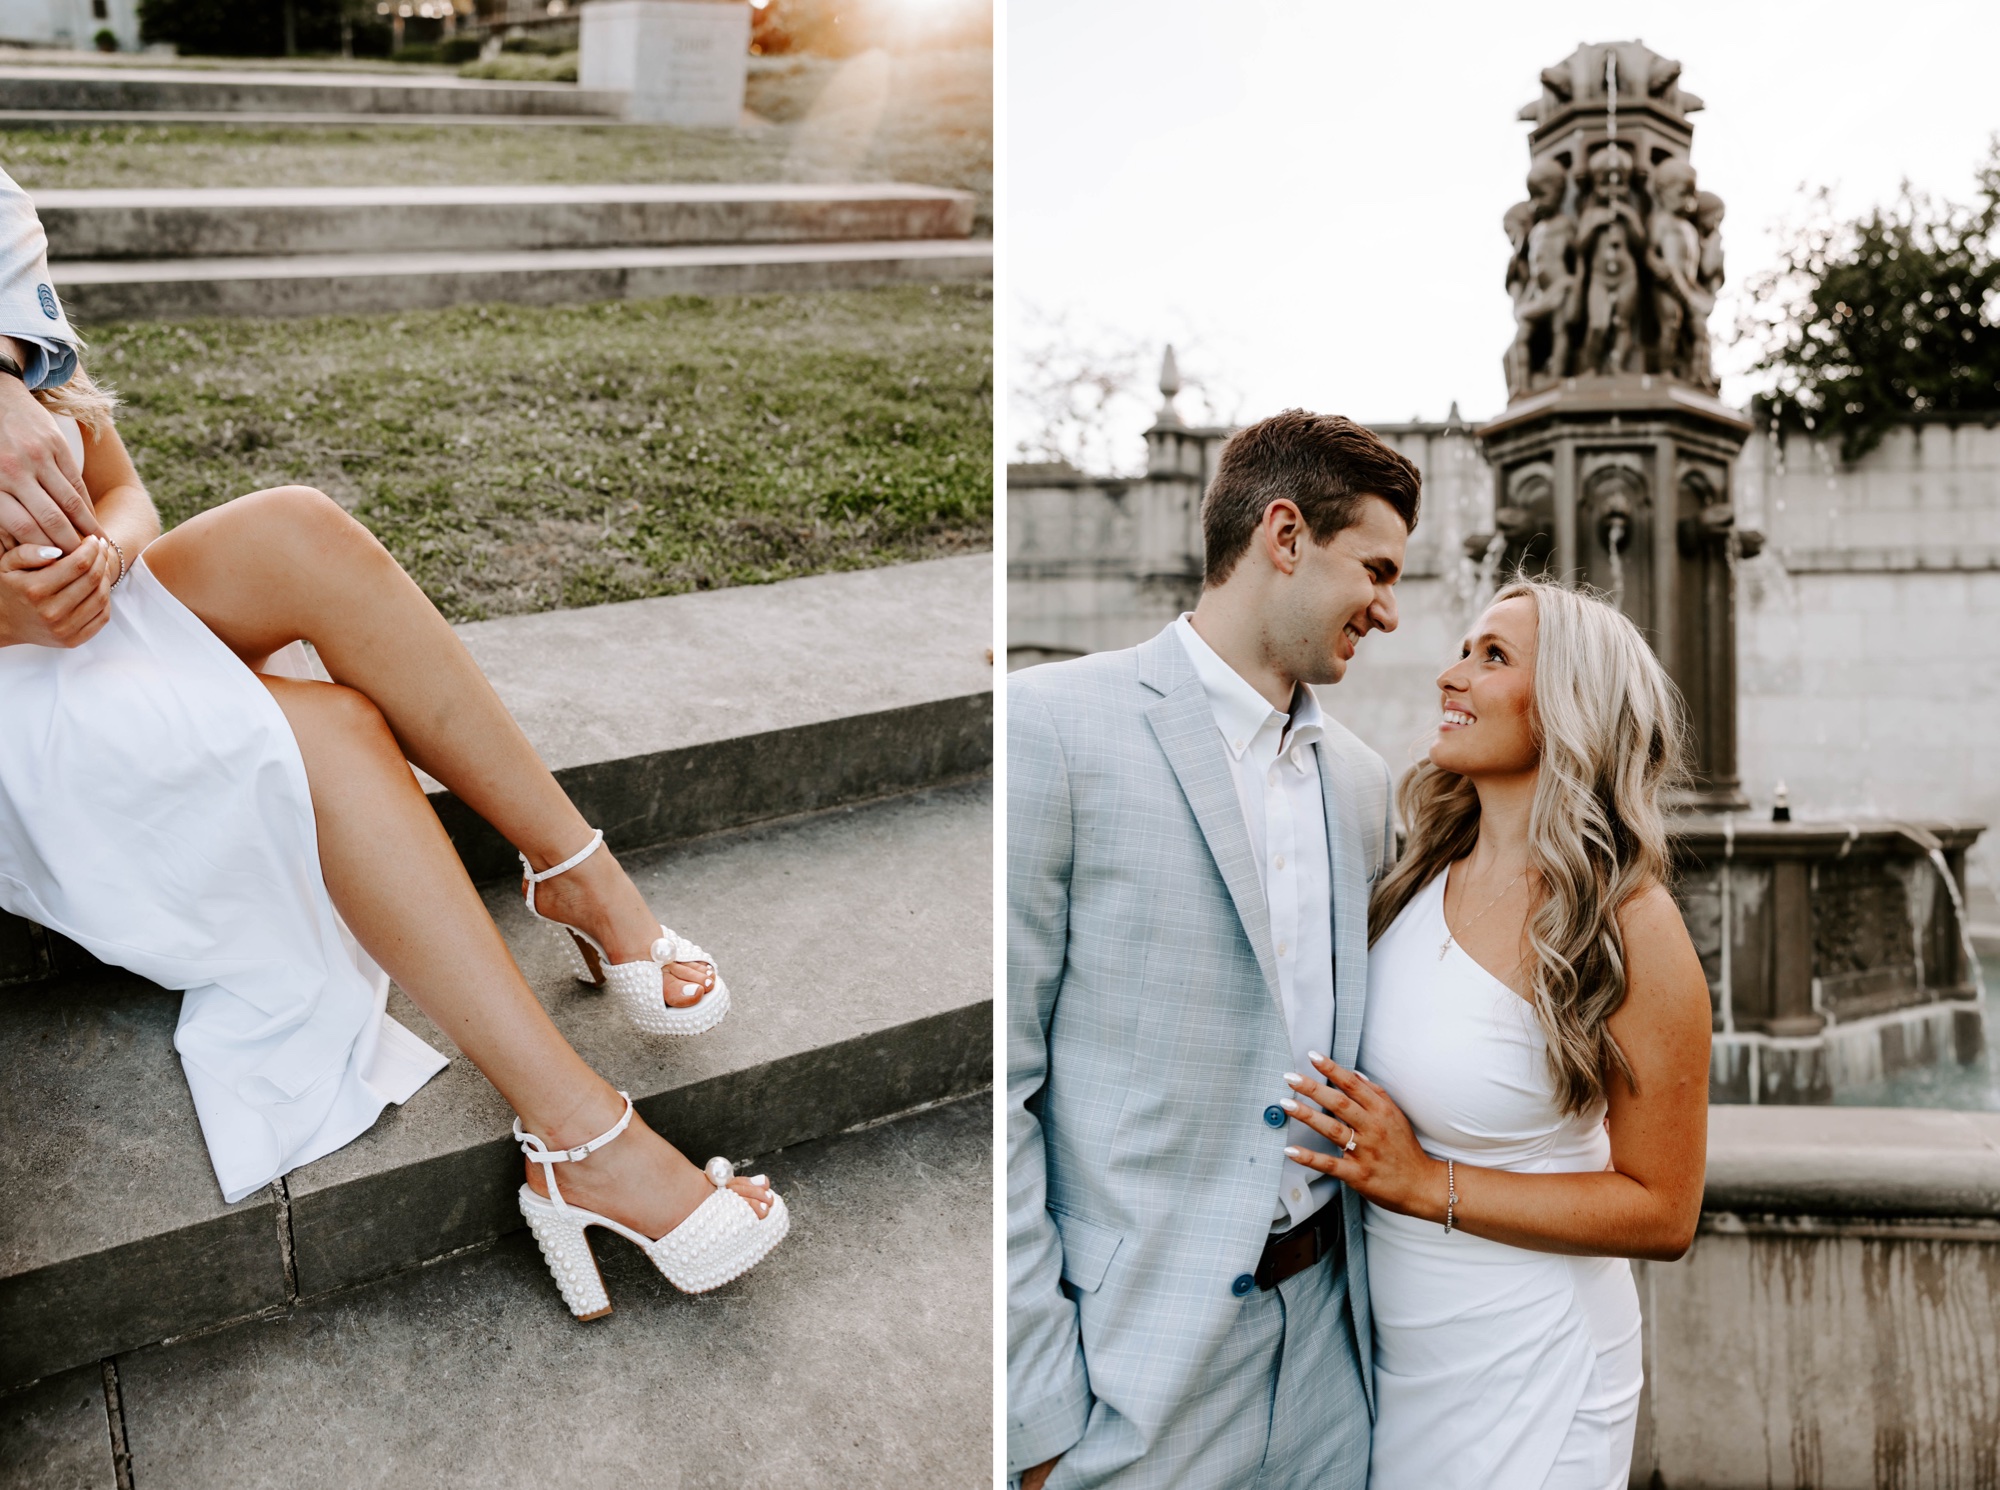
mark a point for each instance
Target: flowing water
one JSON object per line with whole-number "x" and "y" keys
{"x": 1973, "y": 1088}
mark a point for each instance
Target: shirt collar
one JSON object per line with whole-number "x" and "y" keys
{"x": 1240, "y": 710}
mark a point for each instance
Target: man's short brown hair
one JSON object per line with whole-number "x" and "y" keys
{"x": 1324, "y": 464}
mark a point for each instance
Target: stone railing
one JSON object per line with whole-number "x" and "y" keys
{"x": 1837, "y": 1322}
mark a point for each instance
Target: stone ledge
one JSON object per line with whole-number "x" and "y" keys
{"x": 357, "y": 284}
{"x": 170, "y": 91}
{"x": 56, "y": 1435}
{"x": 1853, "y": 1162}
{"x": 161, "y": 223}
{"x": 690, "y": 714}
{"x": 117, "y": 1236}
{"x": 276, "y": 118}
{"x": 859, "y": 1353}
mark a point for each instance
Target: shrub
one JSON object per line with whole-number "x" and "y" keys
{"x": 549, "y": 43}
{"x": 256, "y": 28}
{"x": 514, "y": 67}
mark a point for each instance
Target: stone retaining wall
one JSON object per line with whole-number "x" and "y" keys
{"x": 1837, "y": 1322}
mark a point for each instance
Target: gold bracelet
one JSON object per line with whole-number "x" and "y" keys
{"x": 1450, "y": 1194}
{"x": 121, "y": 560}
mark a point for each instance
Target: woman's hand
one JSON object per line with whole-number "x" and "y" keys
{"x": 1385, "y": 1163}
{"x": 49, "y": 599}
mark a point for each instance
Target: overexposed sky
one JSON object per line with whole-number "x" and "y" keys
{"x": 1311, "y": 190}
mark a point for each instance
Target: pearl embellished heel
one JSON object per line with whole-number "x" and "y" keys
{"x": 719, "y": 1240}
{"x": 635, "y": 985}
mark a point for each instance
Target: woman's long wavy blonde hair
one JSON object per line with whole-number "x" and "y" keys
{"x": 88, "y": 402}
{"x": 1612, "y": 737}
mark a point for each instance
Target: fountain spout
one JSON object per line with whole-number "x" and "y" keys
{"x": 1614, "y": 543}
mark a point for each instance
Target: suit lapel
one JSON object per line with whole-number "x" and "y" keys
{"x": 1349, "y": 899}
{"x": 1185, "y": 727}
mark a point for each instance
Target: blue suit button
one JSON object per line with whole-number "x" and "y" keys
{"x": 1243, "y": 1284}
{"x": 1274, "y": 1116}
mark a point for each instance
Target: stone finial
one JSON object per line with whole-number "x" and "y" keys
{"x": 1170, "y": 387}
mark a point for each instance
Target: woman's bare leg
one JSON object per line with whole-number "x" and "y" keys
{"x": 399, "y": 885}
{"x": 271, "y": 568}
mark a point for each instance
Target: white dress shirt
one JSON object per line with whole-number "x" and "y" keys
{"x": 1274, "y": 761}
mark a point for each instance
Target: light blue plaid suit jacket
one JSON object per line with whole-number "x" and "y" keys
{"x": 1145, "y": 1038}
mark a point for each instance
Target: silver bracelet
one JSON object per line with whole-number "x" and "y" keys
{"x": 121, "y": 560}
{"x": 1450, "y": 1194}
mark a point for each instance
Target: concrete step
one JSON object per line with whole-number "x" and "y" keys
{"x": 175, "y": 91}
{"x": 352, "y": 284}
{"x": 69, "y": 118}
{"x": 687, "y": 714}
{"x": 858, "y": 1353}
{"x": 266, "y": 221}
{"x": 857, "y": 944}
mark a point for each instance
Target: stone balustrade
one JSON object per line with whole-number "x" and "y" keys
{"x": 1837, "y": 1322}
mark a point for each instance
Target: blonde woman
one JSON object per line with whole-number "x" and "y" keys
{"x": 174, "y": 805}
{"x": 1534, "y": 1107}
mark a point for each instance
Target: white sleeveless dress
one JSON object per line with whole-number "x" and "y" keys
{"x": 154, "y": 809}
{"x": 1495, "y": 1367}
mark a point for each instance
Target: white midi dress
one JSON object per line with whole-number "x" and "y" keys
{"x": 154, "y": 809}
{"x": 1495, "y": 1367}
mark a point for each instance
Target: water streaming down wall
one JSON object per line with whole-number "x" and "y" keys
{"x": 1837, "y": 954}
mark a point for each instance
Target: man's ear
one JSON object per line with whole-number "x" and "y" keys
{"x": 1282, "y": 532}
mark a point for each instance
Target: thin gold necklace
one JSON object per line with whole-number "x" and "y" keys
{"x": 1450, "y": 936}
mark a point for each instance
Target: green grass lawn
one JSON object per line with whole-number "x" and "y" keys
{"x": 926, "y": 118}
{"x": 520, "y": 459}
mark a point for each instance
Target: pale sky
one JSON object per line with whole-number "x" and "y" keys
{"x": 1311, "y": 190}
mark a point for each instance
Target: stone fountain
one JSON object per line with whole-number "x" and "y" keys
{"x": 1836, "y": 952}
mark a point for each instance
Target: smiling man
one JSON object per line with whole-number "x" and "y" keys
{"x": 1191, "y": 842}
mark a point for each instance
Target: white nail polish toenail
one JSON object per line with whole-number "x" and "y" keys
{"x": 689, "y": 988}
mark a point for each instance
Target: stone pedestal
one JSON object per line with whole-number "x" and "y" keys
{"x": 680, "y": 61}
{"x": 1624, "y": 484}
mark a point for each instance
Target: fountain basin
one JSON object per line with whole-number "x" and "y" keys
{"x": 1836, "y": 954}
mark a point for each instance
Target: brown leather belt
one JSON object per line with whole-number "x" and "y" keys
{"x": 1323, "y": 1234}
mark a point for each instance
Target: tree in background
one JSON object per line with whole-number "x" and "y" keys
{"x": 1085, "y": 394}
{"x": 1868, "y": 323}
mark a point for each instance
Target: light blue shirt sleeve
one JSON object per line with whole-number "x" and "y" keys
{"x": 30, "y": 311}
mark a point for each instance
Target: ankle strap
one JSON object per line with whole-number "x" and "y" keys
{"x": 540, "y": 1153}
{"x": 596, "y": 839}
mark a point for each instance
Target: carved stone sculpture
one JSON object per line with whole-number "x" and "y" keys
{"x": 1542, "y": 275}
{"x": 1616, "y": 257}
{"x": 1673, "y": 254}
{"x": 1610, "y": 231}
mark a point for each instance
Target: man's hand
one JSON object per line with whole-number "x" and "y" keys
{"x": 49, "y": 599}
{"x": 42, "y": 496}
{"x": 1037, "y": 1477}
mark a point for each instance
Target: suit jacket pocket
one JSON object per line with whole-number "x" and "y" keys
{"x": 1087, "y": 1250}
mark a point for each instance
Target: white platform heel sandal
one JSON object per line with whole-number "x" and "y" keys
{"x": 636, "y": 985}
{"x": 720, "y": 1239}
